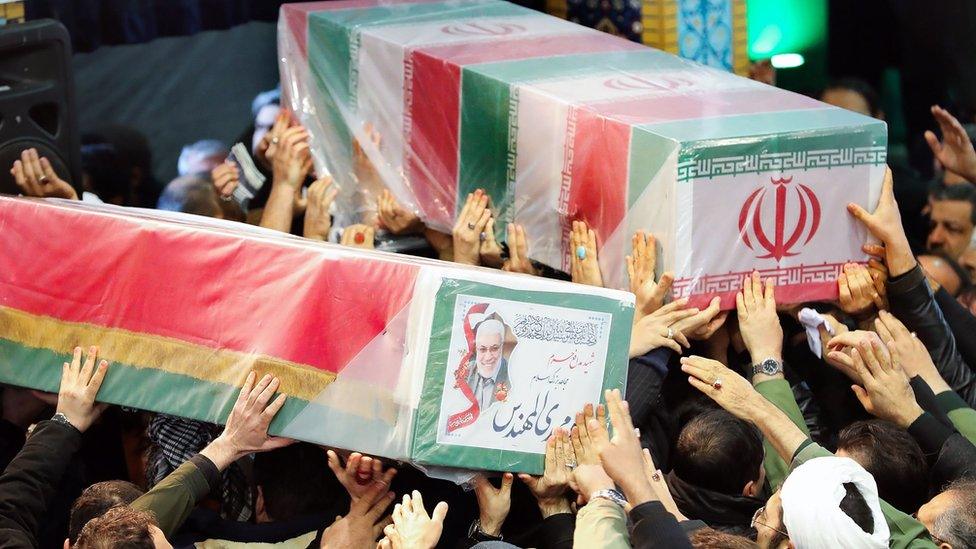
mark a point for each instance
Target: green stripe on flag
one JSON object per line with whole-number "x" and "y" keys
{"x": 764, "y": 123}
{"x": 567, "y": 66}
{"x": 169, "y": 393}
{"x": 484, "y": 137}
{"x": 648, "y": 152}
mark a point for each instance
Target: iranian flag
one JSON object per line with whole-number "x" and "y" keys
{"x": 559, "y": 123}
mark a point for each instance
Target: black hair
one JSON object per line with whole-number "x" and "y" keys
{"x": 892, "y": 457}
{"x": 718, "y": 451}
{"x": 859, "y": 87}
{"x": 296, "y": 481}
{"x": 190, "y": 194}
{"x": 960, "y": 192}
{"x": 96, "y": 500}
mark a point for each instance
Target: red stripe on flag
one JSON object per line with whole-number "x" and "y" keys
{"x": 211, "y": 288}
{"x": 432, "y": 99}
{"x": 600, "y": 156}
{"x": 649, "y": 110}
{"x": 432, "y": 91}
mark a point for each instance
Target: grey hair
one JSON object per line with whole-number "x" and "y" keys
{"x": 491, "y": 326}
{"x": 957, "y": 525}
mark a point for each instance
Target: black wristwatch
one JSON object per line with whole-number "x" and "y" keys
{"x": 768, "y": 367}
{"x": 476, "y": 533}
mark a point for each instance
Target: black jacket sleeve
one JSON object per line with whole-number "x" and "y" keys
{"x": 961, "y": 322}
{"x": 31, "y": 481}
{"x": 929, "y": 402}
{"x": 951, "y": 456}
{"x": 912, "y": 302}
{"x": 645, "y": 380}
{"x": 655, "y": 527}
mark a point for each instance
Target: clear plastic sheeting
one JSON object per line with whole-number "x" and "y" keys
{"x": 558, "y": 122}
{"x": 405, "y": 358}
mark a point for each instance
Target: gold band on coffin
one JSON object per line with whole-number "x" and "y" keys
{"x": 161, "y": 353}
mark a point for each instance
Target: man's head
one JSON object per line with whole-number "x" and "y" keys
{"x": 951, "y": 516}
{"x": 892, "y": 457}
{"x": 295, "y": 481}
{"x": 265, "y": 109}
{"x": 96, "y": 500}
{"x": 489, "y": 339}
{"x": 952, "y": 218}
{"x": 720, "y": 452}
{"x": 854, "y": 95}
{"x": 122, "y": 528}
{"x": 944, "y": 271}
{"x": 190, "y": 194}
{"x": 708, "y": 538}
{"x": 968, "y": 261}
{"x": 827, "y": 502}
{"x": 201, "y": 157}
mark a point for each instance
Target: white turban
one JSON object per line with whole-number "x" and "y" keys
{"x": 811, "y": 506}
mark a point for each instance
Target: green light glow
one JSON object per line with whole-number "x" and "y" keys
{"x": 785, "y": 26}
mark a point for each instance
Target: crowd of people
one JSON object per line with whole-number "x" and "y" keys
{"x": 816, "y": 425}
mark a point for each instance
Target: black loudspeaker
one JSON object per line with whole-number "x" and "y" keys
{"x": 37, "y": 99}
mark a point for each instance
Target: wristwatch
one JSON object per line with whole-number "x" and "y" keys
{"x": 476, "y": 533}
{"x": 611, "y": 495}
{"x": 768, "y": 367}
{"x": 63, "y": 420}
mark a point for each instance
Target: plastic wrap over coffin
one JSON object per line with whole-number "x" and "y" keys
{"x": 370, "y": 347}
{"x": 559, "y": 122}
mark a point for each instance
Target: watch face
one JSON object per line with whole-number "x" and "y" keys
{"x": 770, "y": 367}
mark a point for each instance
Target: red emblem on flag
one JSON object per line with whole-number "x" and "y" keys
{"x": 788, "y": 231}
{"x": 483, "y": 29}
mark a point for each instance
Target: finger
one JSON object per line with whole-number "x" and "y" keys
{"x": 465, "y": 212}
{"x": 619, "y": 413}
{"x": 380, "y": 506}
{"x": 680, "y": 338}
{"x": 934, "y": 144}
{"x": 98, "y": 378}
{"x": 883, "y": 330}
{"x": 859, "y": 366}
{"x": 89, "y": 366}
{"x": 440, "y": 513}
{"x": 663, "y": 288}
{"x": 591, "y": 243}
{"x": 506, "y": 489}
{"x": 522, "y": 244}
{"x": 577, "y": 444}
{"x": 866, "y": 351}
{"x": 19, "y": 178}
{"x": 267, "y": 393}
{"x": 334, "y": 464}
{"x": 418, "y": 499}
{"x": 256, "y": 391}
{"x": 273, "y": 408}
{"x": 862, "y": 396}
{"x": 483, "y": 221}
{"x": 31, "y": 170}
{"x": 671, "y": 344}
{"x": 48, "y": 170}
{"x": 844, "y": 289}
{"x": 76, "y": 361}
{"x": 702, "y": 386}
{"x": 757, "y": 290}
{"x": 550, "y": 463}
{"x": 770, "y": 293}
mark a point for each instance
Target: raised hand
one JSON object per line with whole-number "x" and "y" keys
{"x": 268, "y": 145}
{"x": 884, "y": 391}
{"x": 518, "y": 252}
{"x": 621, "y": 455}
{"x": 703, "y": 324}
{"x": 292, "y": 159}
{"x": 35, "y": 177}
{"x": 660, "y": 329}
{"x": 490, "y": 252}
{"x": 728, "y": 389}
{"x": 840, "y": 348}
{"x": 360, "y": 473}
{"x": 79, "y": 387}
{"x": 550, "y": 489}
{"x": 858, "y": 293}
{"x": 588, "y": 474}
{"x": 358, "y": 236}
{"x": 318, "y": 220}
{"x": 641, "y": 264}
{"x": 908, "y": 352}
{"x": 584, "y": 267}
{"x": 955, "y": 152}
{"x": 225, "y": 178}
{"x": 471, "y": 223}
{"x": 360, "y": 528}
{"x": 246, "y": 430}
{"x": 394, "y": 217}
{"x": 885, "y": 225}
{"x": 493, "y": 503}
{"x": 758, "y": 319}
{"x": 412, "y": 528}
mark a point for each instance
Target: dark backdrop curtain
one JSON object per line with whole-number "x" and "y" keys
{"x": 96, "y": 23}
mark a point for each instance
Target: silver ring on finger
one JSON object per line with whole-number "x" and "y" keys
{"x": 44, "y": 179}
{"x": 274, "y": 140}
{"x": 670, "y": 333}
{"x": 571, "y": 464}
